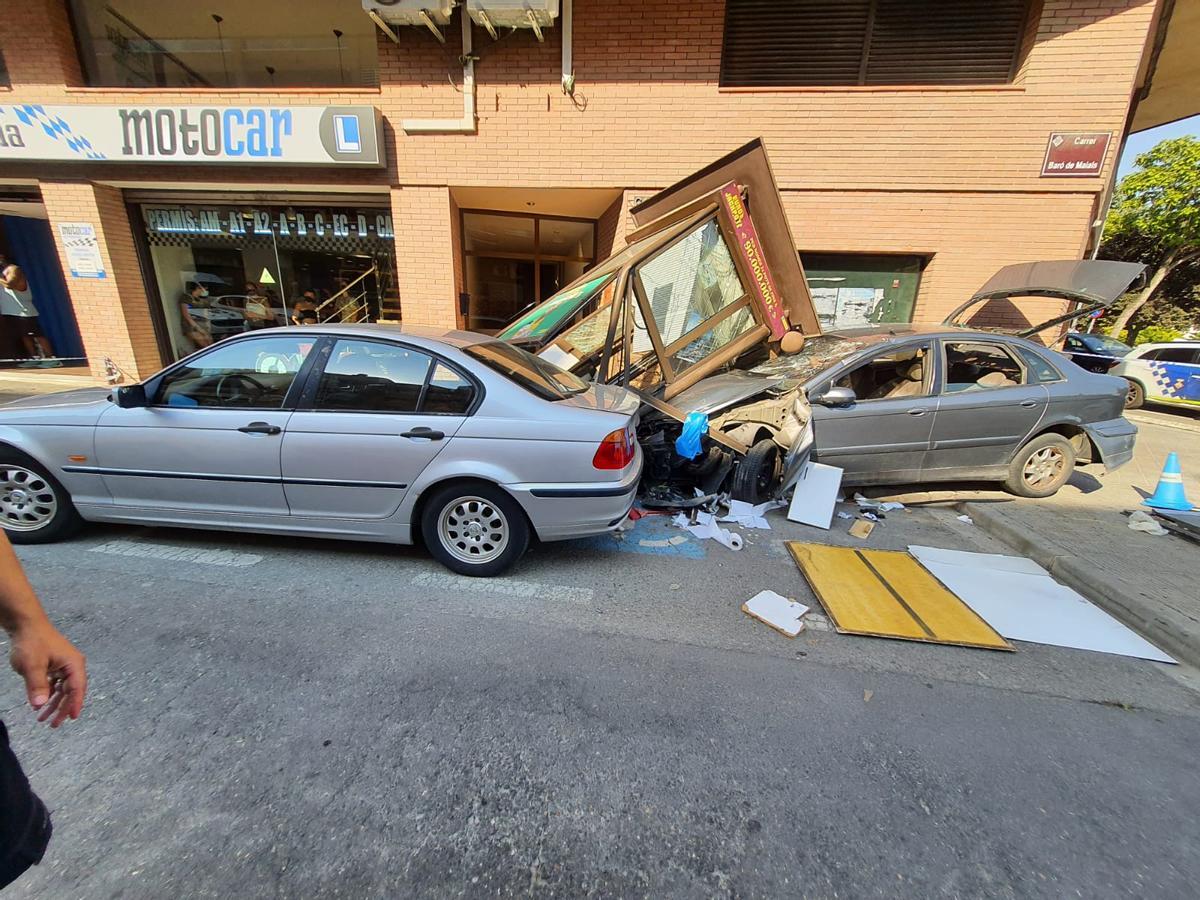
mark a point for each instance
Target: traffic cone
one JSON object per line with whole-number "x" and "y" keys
{"x": 1169, "y": 493}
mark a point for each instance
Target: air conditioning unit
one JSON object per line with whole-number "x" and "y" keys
{"x": 535, "y": 14}
{"x": 412, "y": 12}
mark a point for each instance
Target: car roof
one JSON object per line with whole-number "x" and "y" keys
{"x": 418, "y": 334}
{"x": 1190, "y": 345}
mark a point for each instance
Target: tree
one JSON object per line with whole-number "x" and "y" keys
{"x": 1155, "y": 217}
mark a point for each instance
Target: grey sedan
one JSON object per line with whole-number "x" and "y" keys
{"x": 366, "y": 432}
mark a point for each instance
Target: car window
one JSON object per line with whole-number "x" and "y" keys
{"x": 253, "y": 374}
{"x": 369, "y": 376}
{"x": 536, "y": 375}
{"x": 977, "y": 366}
{"x": 448, "y": 392}
{"x": 1038, "y": 369}
{"x": 1173, "y": 354}
{"x": 1074, "y": 343}
{"x": 1099, "y": 343}
{"x": 902, "y": 372}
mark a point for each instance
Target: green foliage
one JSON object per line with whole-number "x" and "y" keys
{"x": 1156, "y": 207}
{"x": 1152, "y": 334}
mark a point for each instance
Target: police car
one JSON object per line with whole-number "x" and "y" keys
{"x": 1162, "y": 373}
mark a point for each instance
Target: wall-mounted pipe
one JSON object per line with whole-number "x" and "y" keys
{"x": 467, "y": 124}
{"x": 568, "y": 64}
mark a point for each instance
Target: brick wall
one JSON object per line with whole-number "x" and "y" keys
{"x": 862, "y": 169}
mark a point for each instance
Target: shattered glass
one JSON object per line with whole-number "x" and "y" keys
{"x": 817, "y": 354}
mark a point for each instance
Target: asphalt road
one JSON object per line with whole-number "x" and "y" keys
{"x": 295, "y": 718}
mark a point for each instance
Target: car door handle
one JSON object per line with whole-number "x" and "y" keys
{"x": 1030, "y": 404}
{"x": 427, "y": 433}
{"x": 260, "y": 428}
{"x": 918, "y": 411}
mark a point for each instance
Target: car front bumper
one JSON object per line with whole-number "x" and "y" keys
{"x": 1113, "y": 440}
{"x": 560, "y": 511}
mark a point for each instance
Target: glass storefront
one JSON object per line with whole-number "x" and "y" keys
{"x": 222, "y": 268}
{"x": 853, "y": 290}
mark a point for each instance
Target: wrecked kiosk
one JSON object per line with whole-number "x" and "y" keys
{"x": 709, "y": 283}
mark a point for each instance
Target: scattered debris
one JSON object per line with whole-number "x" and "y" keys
{"x": 862, "y": 529}
{"x": 687, "y": 444}
{"x": 1184, "y": 524}
{"x": 867, "y": 695}
{"x": 1140, "y": 521}
{"x": 886, "y": 593}
{"x": 965, "y": 518}
{"x": 844, "y": 515}
{"x": 779, "y": 612}
{"x": 883, "y": 505}
{"x": 815, "y": 494}
{"x": 748, "y": 516}
{"x": 1020, "y": 600}
{"x": 705, "y": 527}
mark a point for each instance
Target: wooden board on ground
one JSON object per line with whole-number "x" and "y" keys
{"x": 782, "y": 614}
{"x": 887, "y": 593}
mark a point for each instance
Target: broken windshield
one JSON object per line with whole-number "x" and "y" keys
{"x": 818, "y": 354}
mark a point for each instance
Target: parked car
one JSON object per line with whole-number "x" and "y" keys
{"x": 1162, "y": 373}
{"x": 223, "y": 321}
{"x": 1094, "y": 352}
{"x": 367, "y": 432}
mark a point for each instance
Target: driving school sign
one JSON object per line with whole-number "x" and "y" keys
{"x": 749, "y": 248}
{"x": 1075, "y": 154}
{"x": 243, "y": 135}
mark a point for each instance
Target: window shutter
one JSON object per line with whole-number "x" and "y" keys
{"x": 944, "y": 41}
{"x": 801, "y": 42}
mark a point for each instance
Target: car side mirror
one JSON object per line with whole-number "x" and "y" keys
{"x": 836, "y": 396}
{"x": 130, "y": 397}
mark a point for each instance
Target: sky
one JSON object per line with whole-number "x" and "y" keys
{"x": 1144, "y": 140}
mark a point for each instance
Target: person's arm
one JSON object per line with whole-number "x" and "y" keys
{"x": 55, "y": 672}
{"x": 186, "y": 314}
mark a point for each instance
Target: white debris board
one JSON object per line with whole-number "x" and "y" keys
{"x": 1020, "y": 600}
{"x": 816, "y": 493}
{"x": 779, "y": 612}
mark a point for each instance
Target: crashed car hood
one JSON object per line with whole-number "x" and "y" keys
{"x": 1093, "y": 283}
{"x": 720, "y": 391}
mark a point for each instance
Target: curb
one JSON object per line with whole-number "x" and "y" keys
{"x": 1150, "y": 620}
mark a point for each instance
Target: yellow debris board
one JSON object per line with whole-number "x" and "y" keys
{"x": 887, "y": 593}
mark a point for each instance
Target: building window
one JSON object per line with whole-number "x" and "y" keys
{"x": 223, "y": 269}
{"x": 857, "y": 290}
{"x": 512, "y": 262}
{"x": 3, "y": 71}
{"x": 140, "y": 44}
{"x": 781, "y": 43}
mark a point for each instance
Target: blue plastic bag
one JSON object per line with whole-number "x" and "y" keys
{"x": 687, "y": 444}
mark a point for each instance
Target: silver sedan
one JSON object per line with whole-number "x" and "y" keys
{"x": 365, "y": 432}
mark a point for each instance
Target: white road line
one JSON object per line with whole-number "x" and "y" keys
{"x": 179, "y": 554}
{"x": 507, "y": 587}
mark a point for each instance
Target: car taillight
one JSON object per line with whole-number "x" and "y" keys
{"x": 615, "y": 451}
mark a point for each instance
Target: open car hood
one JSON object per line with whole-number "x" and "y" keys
{"x": 1088, "y": 284}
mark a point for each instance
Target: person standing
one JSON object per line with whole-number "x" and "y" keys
{"x": 196, "y": 327}
{"x": 55, "y": 676}
{"x": 257, "y": 309}
{"x": 305, "y": 310}
{"x": 20, "y": 316}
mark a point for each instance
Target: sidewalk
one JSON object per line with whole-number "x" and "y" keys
{"x": 1080, "y": 535}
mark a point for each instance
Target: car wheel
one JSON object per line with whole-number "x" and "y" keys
{"x": 474, "y": 528}
{"x": 755, "y": 476}
{"x": 1135, "y": 397}
{"x": 1041, "y": 467}
{"x": 34, "y": 507}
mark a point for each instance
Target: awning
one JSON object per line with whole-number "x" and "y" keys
{"x": 1172, "y": 88}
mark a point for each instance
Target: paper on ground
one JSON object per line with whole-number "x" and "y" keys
{"x": 779, "y": 612}
{"x": 815, "y": 494}
{"x": 706, "y": 528}
{"x": 1020, "y": 600}
{"x": 742, "y": 513}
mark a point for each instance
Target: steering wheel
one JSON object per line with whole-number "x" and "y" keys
{"x": 239, "y": 394}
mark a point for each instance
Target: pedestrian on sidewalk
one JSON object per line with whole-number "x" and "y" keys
{"x": 21, "y": 316}
{"x": 55, "y": 681}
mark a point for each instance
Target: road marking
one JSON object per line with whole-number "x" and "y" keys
{"x": 179, "y": 554}
{"x": 507, "y": 587}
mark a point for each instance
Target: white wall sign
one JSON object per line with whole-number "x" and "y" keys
{"x": 83, "y": 251}
{"x": 245, "y": 135}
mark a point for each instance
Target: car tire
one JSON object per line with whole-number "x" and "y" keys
{"x": 474, "y": 528}
{"x": 34, "y": 506}
{"x": 1041, "y": 467}
{"x": 1135, "y": 397}
{"x": 756, "y": 475}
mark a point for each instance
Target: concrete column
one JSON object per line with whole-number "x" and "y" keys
{"x": 425, "y": 249}
{"x": 113, "y": 312}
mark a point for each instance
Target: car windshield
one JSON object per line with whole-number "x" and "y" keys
{"x": 545, "y": 317}
{"x": 817, "y": 354}
{"x": 1100, "y": 343}
{"x": 544, "y": 379}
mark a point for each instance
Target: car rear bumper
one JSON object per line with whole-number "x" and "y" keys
{"x": 1113, "y": 440}
{"x": 560, "y": 511}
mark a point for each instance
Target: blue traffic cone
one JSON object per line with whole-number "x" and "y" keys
{"x": 1169, "y": 493}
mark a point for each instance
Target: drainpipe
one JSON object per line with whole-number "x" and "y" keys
{"x": 465, "y": 125}
{"x": 568, "y": 65}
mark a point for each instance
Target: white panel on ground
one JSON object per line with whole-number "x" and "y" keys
{"x": 816, "y": 493}
{"x": 1020, "y": 600}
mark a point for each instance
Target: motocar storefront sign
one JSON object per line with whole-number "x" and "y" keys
{"x": 1075, "y": 154}
{"x": 244, "y": 135}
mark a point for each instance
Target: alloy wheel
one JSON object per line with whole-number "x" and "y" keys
{"x": 27, "y": 501}
{"x": 473, "y": 529}
{"x": 1043, "y": 467}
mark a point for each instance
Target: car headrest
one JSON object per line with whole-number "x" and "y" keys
{"x": 915, "y": 372}
{"x": 994, "y": 379}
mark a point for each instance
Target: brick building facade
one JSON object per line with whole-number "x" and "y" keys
{"x": 947, "y": 175}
